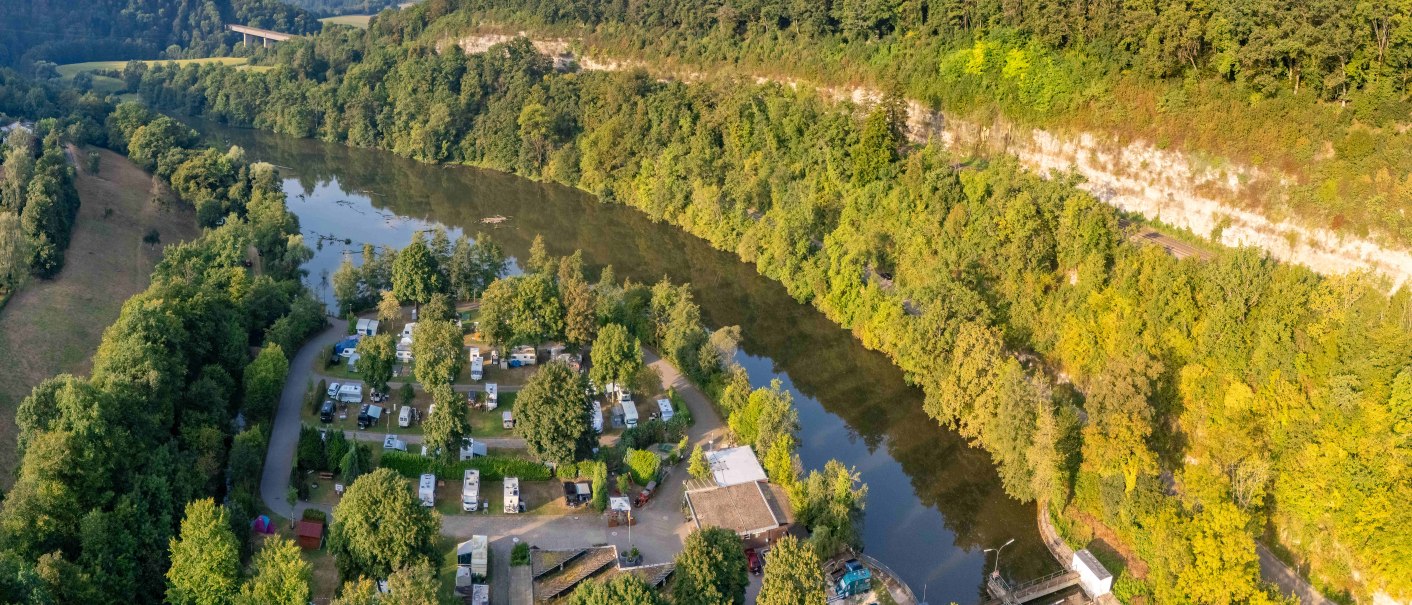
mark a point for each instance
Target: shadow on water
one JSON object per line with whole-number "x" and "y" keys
{"x": 934, "y": 503}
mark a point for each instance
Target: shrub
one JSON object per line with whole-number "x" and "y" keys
{"x": 492, "y": 468}
{"x": 520, "y": 555}
{"x": 314, "y": 514}
{"x": 643, "y": 465}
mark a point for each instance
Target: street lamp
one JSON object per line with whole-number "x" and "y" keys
{"x": 997, "y": 554}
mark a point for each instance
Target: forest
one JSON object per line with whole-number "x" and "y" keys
{"x": 111, "y": 462}
{"x": 52, "y": 31}
{"x": 345, "y": 7}
{"x": 1192, "y": 407}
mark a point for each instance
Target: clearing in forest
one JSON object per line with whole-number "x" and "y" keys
{"x": 54, "y": 326}
{"x": 358, "y": 21}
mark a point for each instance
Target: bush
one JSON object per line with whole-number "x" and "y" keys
{"x": 567, "y": 472}
{"x": 520, "y": 555}
{"x": 314, "y": 514}
{"x": 311, "y": 454}
{"x": 492, "y": 468}
{"x": 643, "y": 465}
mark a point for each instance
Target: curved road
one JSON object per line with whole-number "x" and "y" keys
{"x": 284, "y": 435}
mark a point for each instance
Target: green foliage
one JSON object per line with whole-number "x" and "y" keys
{"x": 281, "y": 576}
{"x": 447, "y": 424}
{"x": 416, "y": 273}
{"x": 380, "y": 526}
{"x": 413, "y": 584}
{"x": 492, "y": 468}
{"x": 310, "y": 454}
{"x": 767, "y": 415}
{"x": 600, "y": 486}
{"x": 520, "y": 554}
{"x": 38, "y": 204}
{"x": 551, "y": 416}
{"x": 205, "y": 559}
{"x": 616, "y": 356}
{"x": 264, "y": 381}
{"x": 376, "y": 356}
{"x": 623, "y": 589}
{"x": 438, "y": 351}
{"x": 643, "y": 465}
{"x": 830, "y": 504}
{"x": 710, "y": 569}
{"x": 521, "y": 310}
{"x": 698, "y": 468}
{"x": 794, "y": 576}
{"x": 474, "y": 265}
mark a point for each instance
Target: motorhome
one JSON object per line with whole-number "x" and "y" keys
{"x": 350, "y": 393}
{"x": 512, "y": 495}
{"x": 629, "y": 412}
{"x": 664, "y": 407}
{"x": 492, "y": 395}
{"x": 475, "y": 353}
{"x": 474, "y": 555}
{"x": 426, "y": 490}
{"x": 404, "y": 351}
{"x": 477, "y": 369}
{"x": 404, "y": 417}
{"x": 596, "y": 411}
{"x": 470, "y": 491}
{"x": 523, "y": 356}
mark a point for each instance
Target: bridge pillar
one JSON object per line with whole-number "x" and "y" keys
{"x": 244, "y": 39}
{"x": 267, "y": 42}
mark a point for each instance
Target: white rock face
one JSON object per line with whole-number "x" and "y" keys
{"x": 1137, "y": 177}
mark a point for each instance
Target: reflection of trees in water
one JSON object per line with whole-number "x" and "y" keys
{"x": 825, "y": 363}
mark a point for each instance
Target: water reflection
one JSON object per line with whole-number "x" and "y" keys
{"x": 934, "y": 503}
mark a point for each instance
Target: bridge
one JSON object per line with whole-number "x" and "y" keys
{"x": 265, "y": 35}
{"x": 1002, "y": 593}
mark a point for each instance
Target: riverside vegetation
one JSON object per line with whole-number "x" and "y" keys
{"x": 1190, "y": 406}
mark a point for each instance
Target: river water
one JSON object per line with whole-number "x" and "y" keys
{"x": 934, "y": 503}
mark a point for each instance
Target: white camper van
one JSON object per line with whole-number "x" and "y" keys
{"x": 470, "y": 491}
{"x": 596, "y": 411}
{"x": 404, "y": 417}
{"x": 477, "y": 369}
{"x": 665, "y": 407}
{"x": 350, "y": 393}
{"x": 629, "y": 411}
{"x": 492, "y": 395}
{"x": 512, "y": 495}
{"x": 426, "y": 490}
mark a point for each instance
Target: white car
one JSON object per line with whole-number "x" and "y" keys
{"x": 391, "y": 442}
{"x": 333, "y": 389}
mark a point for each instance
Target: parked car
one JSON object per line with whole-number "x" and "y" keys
{"x": 333, "y": 389}
{"x": 326, "y": 412}
{"x": 752, "y": 560}
{"x": 646, "y": 494}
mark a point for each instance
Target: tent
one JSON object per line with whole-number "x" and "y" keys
{"x": 263, "y": 525}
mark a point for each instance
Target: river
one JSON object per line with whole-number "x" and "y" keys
{"x": 934, "y": 503}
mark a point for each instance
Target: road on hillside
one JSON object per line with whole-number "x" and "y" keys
{"x": 284, "y": 436}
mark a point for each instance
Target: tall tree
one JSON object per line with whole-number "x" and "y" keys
{"x": 710, "y": 569}
{"x": 281, "y": 575}
{"x": 376, "y": 356}
{"x": 264, "y": 381}
{"x": 439, "y": 351}
{"x": 447, "y": 424}
{"x": 379, "y": 526}
{"x": 793, "y": 576}
{"x": 622, "y": 589}
{"x": 616, "y": 356}
{"x": 205, "y": 558}
{"x": 551, "y": 415}
{"x": 389, "y": 309}
{"x": 416, "y": 275}
{"x": 412, "y": 585}
{"x": 521, "y": 310}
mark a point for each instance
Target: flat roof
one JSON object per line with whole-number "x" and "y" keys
{"x": 746, "y": 508}
{"x": 1091, "y": 562}
{"x": 734, "y": 466}
{"x": 309, "y": 529}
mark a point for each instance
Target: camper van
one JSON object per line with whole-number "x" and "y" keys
{"x": 512, "y": 495}
{"x": 474, "y": 555}
{"x": 629, "y": 411}
{"x": 404, "y": 417}
{"x": 470, "y": 491}
{"x": 664, "y": 406}
{"x": 404, "y": 351}
{"x": 596, "y": 411}
{"x": 492, "y": 395}
{"x": 523, "y": 356}
{"x": 477, "y": 369}
{"x": 475, "y": 353}
{"x": 351, "y": 393}
{"x": 426, "y": 490}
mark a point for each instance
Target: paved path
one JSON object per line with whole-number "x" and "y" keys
{"x": 1273, "y": 570}
{"x": 284, "y": 436}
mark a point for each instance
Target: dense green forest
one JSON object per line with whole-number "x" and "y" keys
{"x": 51, "y": 30}
{"x": 1315, "y": 91}
{"x": 1191, "y": 406}
{"x": 110, "y": 462}
{"x": 38, "y": 202}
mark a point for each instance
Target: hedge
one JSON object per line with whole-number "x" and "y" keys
{"x": 492, "y": 468}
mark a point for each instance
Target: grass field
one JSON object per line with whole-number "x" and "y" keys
{"x": 51, "y": 327}
{"x": 358, "y": 21}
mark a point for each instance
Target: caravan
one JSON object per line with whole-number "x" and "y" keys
{"x": 512, "y": 495}
{"x": 477, "y": 369}
{"x": 426, "y": 490}
{"x": 664, "y": 406}
{"x": 492, "y": 395}
{"x": 350, "y": 393}
{"x": 470, "y": 491}
{"x": 596, "y": 411}
{"x": 523, "y": 356}
{"x": 629, "y": 412}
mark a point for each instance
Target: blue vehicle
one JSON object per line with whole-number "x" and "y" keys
{"x": 852, "y": 579}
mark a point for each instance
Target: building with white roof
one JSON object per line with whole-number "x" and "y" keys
{"x": 734, "y": 466}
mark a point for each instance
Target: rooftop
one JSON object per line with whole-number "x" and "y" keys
{"x": 746, "y": 508}
{"x": 734, "y": 466}
{"x": 557, "y": 573}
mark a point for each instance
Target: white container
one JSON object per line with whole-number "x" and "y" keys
{"x": 426, "y": 490}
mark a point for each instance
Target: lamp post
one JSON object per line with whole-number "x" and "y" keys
{"x": 997, "y": 555}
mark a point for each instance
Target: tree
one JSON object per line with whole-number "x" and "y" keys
{"x": 361, "y": 591}
{"x": 551, "y": 415}
{"x": 643, "y": 465}
{"x": 623, "y": 589}
{"x": 389, "y": 309}
{"x": 416, "y": 276}
{"x": 376, "y": 356}
{"x": 521, "y": 310}
{"x": 437, "y": 309}
{"x": 438, "y": 351}
{"x": 616, "y": 356}
{"x": 600, "y": 486}
{"x": 793, "y": 576}
{"x": 539, "y": 261}
{"x": 264, "y": 381}
{"x": 698, "y": 467}
{"x": 580, "y": 312}
{"x": 1115, "y": 438}
{"x": 380, "y": 526}
{"x": 354, "y": 462}
{"x": 347, "y": 287}
{"x": 205, "y": 566}
{"x": 711, "y": 569}
{"x": 15, "y": 251}
{"x": 281, "y": 575}
{"x": 768, "y": 414}
{"x": 447, "y": 425}
{"x": 829, "y": 504}
{"x": 412, "y": 585}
